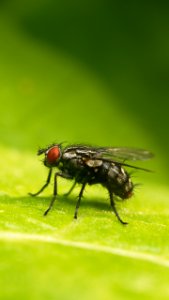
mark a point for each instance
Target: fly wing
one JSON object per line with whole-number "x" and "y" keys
{"x": 123, "y": 153}
{"x": 112, "y": 153}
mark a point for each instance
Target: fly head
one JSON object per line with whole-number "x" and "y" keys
{"x": 53, "y": 154}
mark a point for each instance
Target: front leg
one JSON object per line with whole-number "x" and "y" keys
{"x": 60, "y": 174}
{"x": 44, "y": 186}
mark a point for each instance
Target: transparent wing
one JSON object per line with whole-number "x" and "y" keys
{"x": 123, "y": 153}
{"x": 114, "y": 153}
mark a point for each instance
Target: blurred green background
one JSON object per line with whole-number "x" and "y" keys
{"x": 92, "y": 72}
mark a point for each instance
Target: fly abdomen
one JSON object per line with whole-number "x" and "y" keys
{"x": 119, "y": 181}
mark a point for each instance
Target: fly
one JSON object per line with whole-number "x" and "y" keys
{"x": 92, "y": 165}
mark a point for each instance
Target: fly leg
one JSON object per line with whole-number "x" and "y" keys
{"x": 63, "y": 175}
{"x": 114, "y": 208}
{"x": 44, "y": 186}
{"x": 79, "y": 200}
{"x": 71, "y": 189}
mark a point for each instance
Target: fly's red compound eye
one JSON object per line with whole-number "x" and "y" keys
{"x": 52, "y": 155}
